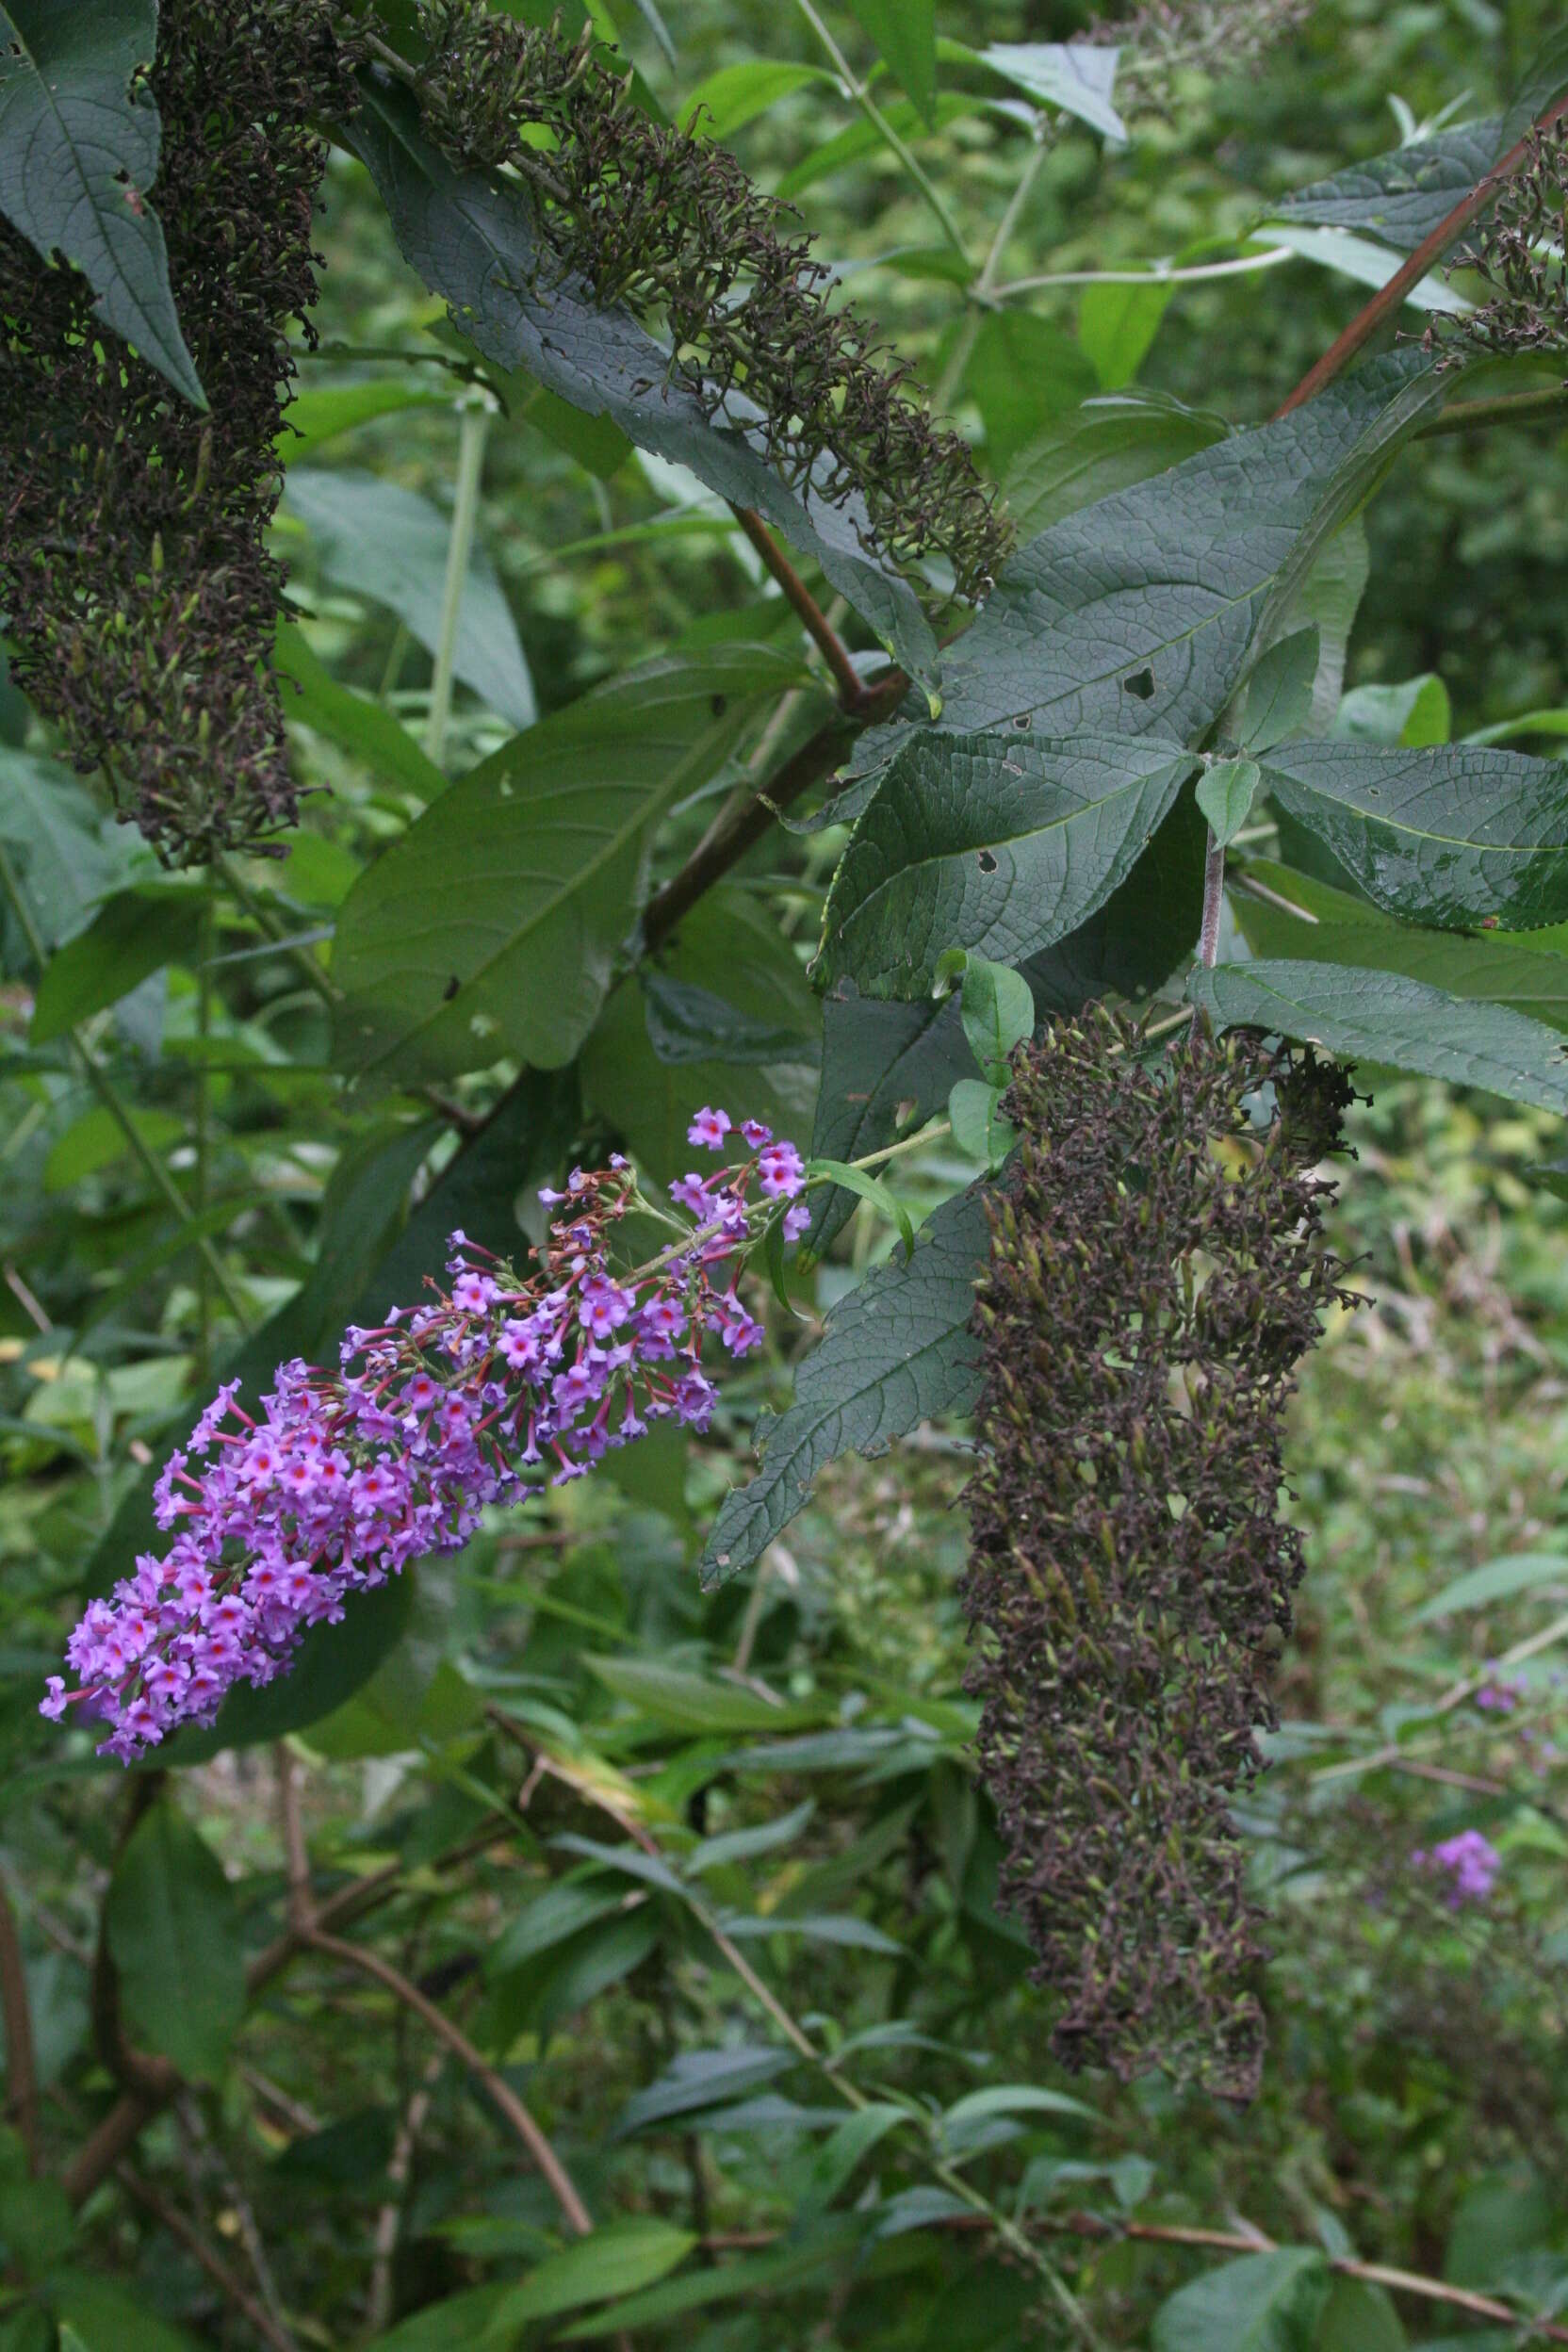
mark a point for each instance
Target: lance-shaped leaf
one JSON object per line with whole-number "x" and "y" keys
{"x": 1402, "y": 196}
{"x": 1383, "y": 1017}
{"x": 1452, "y": 835}
{"x": 1000, "y": 844}
{"x": 896, "y": 1350}
{"x": 78, "y": 152}
{"x": 1135, "y": 615}
{"x": 474, "y": 240}
{"x": 492, "y": 927}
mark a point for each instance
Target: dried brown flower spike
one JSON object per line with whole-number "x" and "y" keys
{"x": 1157, "y": 1271}
{"x": 134, "y": 569}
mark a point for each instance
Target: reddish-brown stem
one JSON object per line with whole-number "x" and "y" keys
{"x": 1386, "y": 300}
{"x": 210, "y": 2259}
{"x": 17, "y": 2011}
{"x": 853, "y": 690}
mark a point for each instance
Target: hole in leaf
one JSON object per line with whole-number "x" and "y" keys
{"x": 986, "y": 861}
{"x": 1140, "y": 682}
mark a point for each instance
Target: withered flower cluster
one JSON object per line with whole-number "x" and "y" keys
{"x": 134, "y": 570}
{"x": 1158, "y": 1269}
{"x": 1519, "y": 251}
{"x": 1212, "y": 37}
{"x": 669, "y": 224}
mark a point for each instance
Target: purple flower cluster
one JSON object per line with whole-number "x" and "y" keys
{"x": 1470, "y": 1862}
{"x": 440, "y": 1409}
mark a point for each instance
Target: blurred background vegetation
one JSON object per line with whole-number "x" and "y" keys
{"x": 1416, "y": 2106}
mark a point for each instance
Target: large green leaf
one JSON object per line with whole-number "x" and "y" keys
{"x": 1077, "y": 77}
{"x": 1401, "y": 196}
{"x": 492, "y": 927}
{"x": 1000, "y": 844}
{"x": 130, "y": 937}
{"x": 473, "y": 239}
{"x": 904, "y": 32}
{"x": 174, "y": 1935}
{"x": 896, "y": 1350}
{"x": 1024, "y": 374}
{"x": 616, "y": 2260}
{"x": 352, "y": 720}
{"x": 1499, "y": 1580}
{"x": 390, "y": 545}
{"x": 1332, "y": 927}
{"x": 1383, "y": 1017}
{"x": 1452, "y": 835}
{"x": 78, "y": 152}
{"x": 1105, "y": 446}
{"x": 1135, "y": 615}
{"x": 807, "y": 2249}
{"x": 1263, "y": 2303}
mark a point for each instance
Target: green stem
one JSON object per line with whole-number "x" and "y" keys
{"x": 1269, "y": 259}
{"x": 875, "y": 115}
{"x": 1510, "y": 408}
{"x": 910, "y": 1143}
{"x": 104, "y": 1087}
{"x": 476, "y": 414}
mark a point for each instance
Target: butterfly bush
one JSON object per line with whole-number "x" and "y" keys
{"x": 1469, "y": 1862}
{"x": 487, "y": 1388}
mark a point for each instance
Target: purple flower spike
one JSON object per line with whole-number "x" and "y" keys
{"x": 1470, "y": 1862}
{"x": 440, "y": 1409}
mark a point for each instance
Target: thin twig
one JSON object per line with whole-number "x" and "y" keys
{"x": 389, "y": 2221}
{"x": 270, "y": 2330}
{"x": 21, "y": 2050}
{"x": 854, "y": 694}
{"x": 1508, "y": 408}
{"x": 1432, "y": 249}
{"x": 208, "y": 2162}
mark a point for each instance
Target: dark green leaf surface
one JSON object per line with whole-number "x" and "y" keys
{"x": 352, "y": 721}
{"x": 693, "y": 1024}
{"x": 174, "y": 1934}
{"x": 78, "y": 152}
{"x": 1076, "y": 77}
{"x": 1105, "y": 446}
{"x": 1452, "y": 835}
{"x": 1001, "y": 844}
{"x": 1383, "y": 1017}
{"x": 1263, "y": 2303}
{"x": 896, "y": 1350}
{"x": 389, "y": 543}
{"x": 492, "y": 927}
{"x": 473, "y": 240}
{"x": 1134, "y": 616}
{"x": 129, "y": 937}
{"x": 1400, "y": 197}
{"x": 905, "y": 33}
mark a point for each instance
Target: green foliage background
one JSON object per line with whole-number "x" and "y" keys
{"x": 784, "y": 1761}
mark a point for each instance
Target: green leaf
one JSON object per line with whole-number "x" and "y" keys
{"x": 97, "y": 1141}
{"x": 1105, "y": 446}
{"x": 1328, "y": 599}
{"x": 1496, "y": 1581}
{"x": 691, "y": 1024}
{"x": 78, "y": 152}
{"x": 1416, "y": 712}
{"x": 1452, "y": 836}
{"x": 1225, "y": 794}
{"x": 457, "y": 2319}
{"x": 130, "y": 937}
{"x": 1384, "y": 1018}
{"x": 744, "y": 1845}
{"x": 735, "y": 95}
{"x": 1135, "y": 615}
{"x": 551, "y": 1917}
{"x": 695, "y": 1703}
{"x": 323, "y": 411}
{"x": 864, "y": 138}
{"x": 729, "y": 946}
{"x": 805, "y": 2252}
{"x": 905, "y": 33}
{"x": 1024, "y": 374}
{"x": 473, "y": 240}
{"x": 1359, "y": 2318}
{"x": 1001, "y": 844}
{"x": 975, "y": 1110}
{"x": 1075, "y": 77}
{"x": 1333, "y": 928}
{"x": 896, "y": 1350}
{"x": 1403, "y": 195}
{"x": 389, "y": 543}
{"x": 96, "y": 2314}
{"x": 36, "y": 2225}
{"x": 1369, "y": 264}
{"x": 46, "y": 815}
{"x": 492, "y": 927}
{"x": 1116, "y": 326}
{"x": 1280, "y": 691}
{"x": 699, "y": 2079}
{"x": 1263, "y": 2303}
{"x": 997, "y": 1008}
{"x": 816, "y": 1927}
{"x": 352, "y": 721}
{"x": 865, "y": 1186}
{"x": 173, "y": 1923}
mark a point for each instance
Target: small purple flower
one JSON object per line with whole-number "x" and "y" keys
{"x": 782, "y": 1171}
{"x": 689, "y": 1192}
{"x": 709, "y": 1128}
{"x": 755, "y": 1133}
{"x": 1470, "y": 1861}
{"x": 797, "y": 1221}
